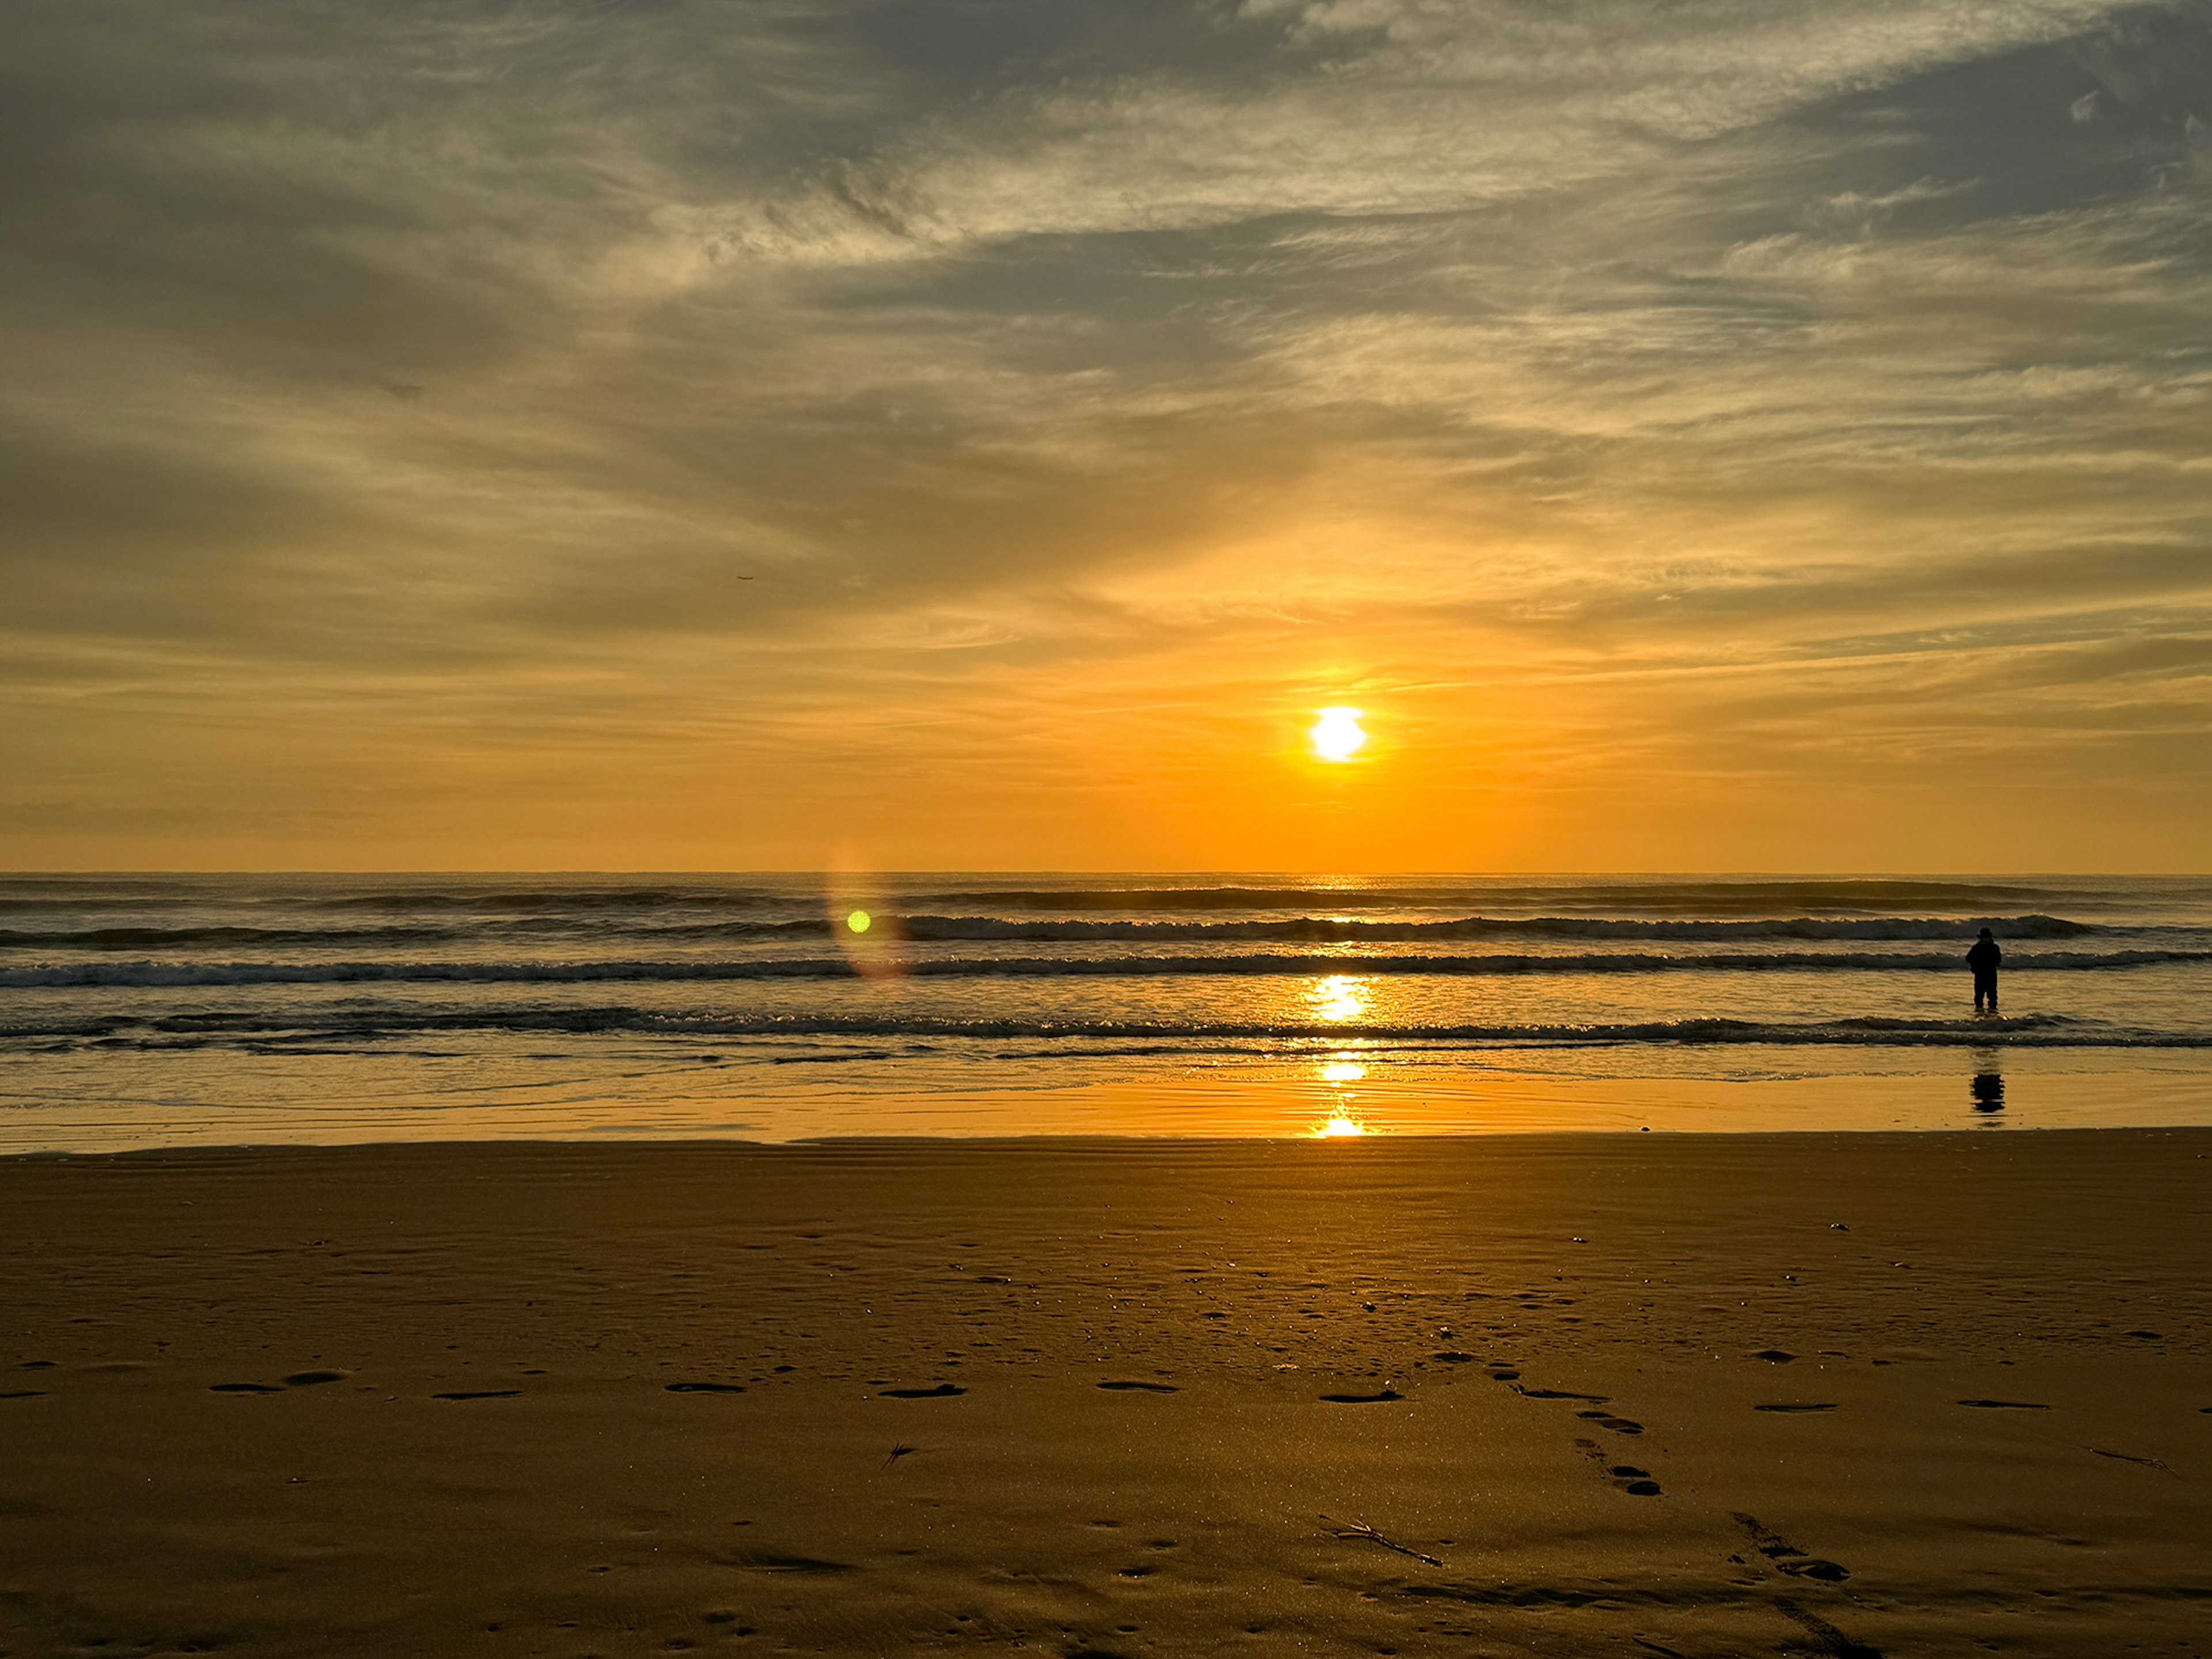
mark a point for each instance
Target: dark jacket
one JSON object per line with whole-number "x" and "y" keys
{"x": 1985, "y": 957}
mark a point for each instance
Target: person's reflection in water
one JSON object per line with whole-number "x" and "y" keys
{"x": 1989, "y": 1085}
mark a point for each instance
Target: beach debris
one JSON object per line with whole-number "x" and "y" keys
{"x": 1837, "y": 1227}
{"x": 1366, "y": 1533}
{"x": 898, "y": 1451}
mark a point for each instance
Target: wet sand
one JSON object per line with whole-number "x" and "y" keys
{"x": 1640, "y": 1393}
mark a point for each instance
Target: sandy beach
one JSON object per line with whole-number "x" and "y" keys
{"x": 1638, "y": 1394}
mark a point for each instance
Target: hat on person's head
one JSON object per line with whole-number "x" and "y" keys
{"x": 1985, "y": 933}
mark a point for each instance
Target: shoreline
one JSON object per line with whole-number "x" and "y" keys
{"x": 1976, "y": 1092}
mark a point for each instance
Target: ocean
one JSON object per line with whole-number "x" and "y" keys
{"x": 145, "y": 1011}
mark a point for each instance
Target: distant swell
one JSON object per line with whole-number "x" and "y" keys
{"x": 1701, "y": 896}
{"x": 155, "y": 974}
{"x": 1297, "y": 930}
{"x": 1316, "y": 930}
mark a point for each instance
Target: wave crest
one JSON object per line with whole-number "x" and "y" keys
{"x": 157, "y": 974}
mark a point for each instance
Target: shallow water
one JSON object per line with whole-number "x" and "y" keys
{"x": 140, "y": 1010}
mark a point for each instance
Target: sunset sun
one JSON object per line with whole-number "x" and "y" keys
{"x": 1336, "y": 735}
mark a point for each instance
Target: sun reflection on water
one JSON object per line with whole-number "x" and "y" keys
{"x": 1338, "y": 999}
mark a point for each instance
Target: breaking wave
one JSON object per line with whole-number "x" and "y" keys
{"x": 184, "y": 1030}
{"x": 156, "y": 974}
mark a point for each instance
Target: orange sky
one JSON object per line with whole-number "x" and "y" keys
{"x": 706, "y": 435}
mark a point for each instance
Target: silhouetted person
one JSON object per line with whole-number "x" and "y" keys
{"x": 1984, "y": 959}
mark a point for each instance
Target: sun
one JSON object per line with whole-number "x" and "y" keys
{"x": 1336, "y": 735}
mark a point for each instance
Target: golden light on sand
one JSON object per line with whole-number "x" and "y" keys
{"x": 1336, "y": 735}
{"x": 859, "y": 921}
{"x": 1338, "y": 1127}
{"x": 1343, "y": 1071}
{"x": 1337, "y": 999}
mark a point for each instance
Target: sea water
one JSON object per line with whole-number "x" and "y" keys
{"x": 140, "y": 1011}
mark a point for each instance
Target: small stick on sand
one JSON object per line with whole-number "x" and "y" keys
{"x": 898, "y": 1451}
{"x": 1361, "y": 1529}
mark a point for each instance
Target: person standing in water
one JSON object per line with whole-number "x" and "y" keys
{"x": 1984, "y": 959}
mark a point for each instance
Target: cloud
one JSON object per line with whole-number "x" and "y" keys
{"x": 474, "y": 376}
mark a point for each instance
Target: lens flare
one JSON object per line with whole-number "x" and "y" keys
{"x": 864, "y": 918}
{"x": 1336, "y": 735}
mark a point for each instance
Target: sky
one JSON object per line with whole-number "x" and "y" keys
{"x": 657, "y": 434}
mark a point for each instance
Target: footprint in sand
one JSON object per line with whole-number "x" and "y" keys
{"x": 942, "y": 1391}
{"x": 1362, "y": 1399}
{"x": 1636, "y": 1482}
{"x": 1795, "y": 1407}
{"x": 2130, "y": 1457}
{"x": 314, "y": 1379}
{"x": 1608, "y": 1420}
{"x": 1147, "y": 1388}
{"x": 1785, "y": 1557}
{"x": 1561, "y": 1394}
{"x": 478, "y": 1394}
{"x": 792, "y": 1563}
{"x": 1774, "y": 1356}
{"x": 2005, "y": 1405}
{"x": 24, "y": 1394}
{"x": 704, "y": 1387}
{"x": 245, "y": 1387}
